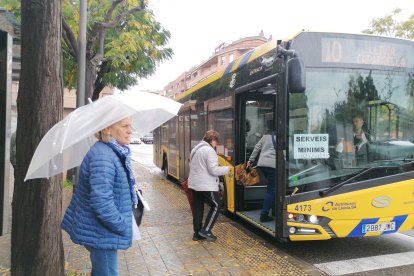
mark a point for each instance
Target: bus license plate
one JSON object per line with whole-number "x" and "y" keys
{"x": 378, "y": 227}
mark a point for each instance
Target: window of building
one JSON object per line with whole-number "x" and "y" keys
{"x": 231, "y": 58}
{"x": 223, "y": 60}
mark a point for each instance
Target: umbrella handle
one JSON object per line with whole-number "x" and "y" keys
{"x": 146, "y": 206}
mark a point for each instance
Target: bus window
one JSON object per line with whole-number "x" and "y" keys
{"x": 220, "y": 118}
{"x": 258, "y": 112}
{"x": 198, "y": 126}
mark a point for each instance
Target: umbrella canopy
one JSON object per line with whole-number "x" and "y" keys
{"x": 65, "y": 145}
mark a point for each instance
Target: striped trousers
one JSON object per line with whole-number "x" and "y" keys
{"x": 212, "y": 199}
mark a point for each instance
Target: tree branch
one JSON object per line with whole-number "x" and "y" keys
{"x": 111, "y": 9}
{"x": 108, "y": 25}
{"x": 104, "y": 68}
{"x": 99, "y": 29}
{"x": 69, "y": 39}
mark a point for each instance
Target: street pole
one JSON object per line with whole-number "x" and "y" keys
{"x": 81, "y": 58}
{"x": 80, "y": 90}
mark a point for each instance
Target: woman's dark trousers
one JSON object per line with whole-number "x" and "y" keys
{"x": 213, "y": 200}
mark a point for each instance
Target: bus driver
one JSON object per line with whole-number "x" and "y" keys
{"x": 361, "y": 138}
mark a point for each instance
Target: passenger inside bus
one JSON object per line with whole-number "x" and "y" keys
{"x": 252, "y": 137}
{"x": 266, "y": 150}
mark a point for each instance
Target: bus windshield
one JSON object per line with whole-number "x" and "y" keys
{"x": 347, "y": 121}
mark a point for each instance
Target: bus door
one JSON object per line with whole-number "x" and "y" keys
{"x": 184, "y": 143}
{"x": 256, "y": 116}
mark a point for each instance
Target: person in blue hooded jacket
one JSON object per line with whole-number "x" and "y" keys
{"x": 99, "y": 215}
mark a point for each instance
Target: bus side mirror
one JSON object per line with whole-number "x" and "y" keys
{"x": 296, "y": 75}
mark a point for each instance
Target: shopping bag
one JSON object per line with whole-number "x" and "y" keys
{"x": 139, "y": 211}
{"x": 246, "y": 175}
{"x": 188, "y": 192}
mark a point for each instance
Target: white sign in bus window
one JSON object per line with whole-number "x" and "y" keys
{"x": 310, "y": 146}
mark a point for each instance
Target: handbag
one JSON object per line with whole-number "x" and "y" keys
{"x": 246, "y": 175}
{"x": 139, "y": 211}
{"x": 188, "y": 192}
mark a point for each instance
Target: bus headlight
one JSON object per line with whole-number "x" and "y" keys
{"x": 300, "y": 217}
{"x": 303, "y": 218}
{"x": 313, "y": 219}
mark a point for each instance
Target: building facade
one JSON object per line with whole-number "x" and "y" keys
{"x": 223, "y": 55}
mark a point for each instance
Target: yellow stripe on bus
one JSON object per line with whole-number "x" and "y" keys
{"x": 229, "y": 184}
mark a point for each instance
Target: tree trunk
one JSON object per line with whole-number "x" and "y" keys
{"x": 36, "y": 246}
{"x": 90, "y": 77}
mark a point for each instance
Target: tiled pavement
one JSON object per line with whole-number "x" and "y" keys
{"x": 166, "y": 247}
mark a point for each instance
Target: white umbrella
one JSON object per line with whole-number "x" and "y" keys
{"x": 65, "y": 145}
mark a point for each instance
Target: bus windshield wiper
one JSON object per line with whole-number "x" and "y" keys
{"x": 366, "y": 170}
{"x": 341, "y": 183}
{"x": 305, "y": 171}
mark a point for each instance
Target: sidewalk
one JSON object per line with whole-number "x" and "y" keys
{"x": 167, "y": 248}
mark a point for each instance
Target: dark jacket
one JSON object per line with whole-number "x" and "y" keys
{"x": 100, "y": 212}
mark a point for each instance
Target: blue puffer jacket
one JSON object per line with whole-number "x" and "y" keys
{"x": 100, "y": 212}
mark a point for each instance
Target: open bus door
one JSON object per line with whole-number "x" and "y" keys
{"x": 255, "y": 113}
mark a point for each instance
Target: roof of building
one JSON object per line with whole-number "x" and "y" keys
{"x": 9, "y": 24}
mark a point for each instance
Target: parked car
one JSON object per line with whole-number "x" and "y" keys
{"x": 147, "y": 139}
{"x": 135, "y": 138}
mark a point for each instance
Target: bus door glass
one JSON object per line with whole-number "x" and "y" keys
{"x": 183, "y": 132}
{"x": 256, "y": 118}
{"x": 172, "y": 145}
{"x": 187, "y": 148}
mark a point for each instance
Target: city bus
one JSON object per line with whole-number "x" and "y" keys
{"x": 308, "y": 89}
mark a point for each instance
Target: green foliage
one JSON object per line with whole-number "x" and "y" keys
{"x": 361, "y": 90}
{"x": 133, "y": 45}
{"x": 389, "y": 26}
{"x": 406, "y": 29}
{"x": 13, "y": 6}
{"x": 67, "y": 184}
{"x": 133, "y": 50}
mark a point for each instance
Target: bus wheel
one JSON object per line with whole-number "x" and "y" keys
{"x": 165, "y": 167}
{"x": 223, "y": 195}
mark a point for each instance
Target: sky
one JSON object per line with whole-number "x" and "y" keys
{"x": 197, "y": 27}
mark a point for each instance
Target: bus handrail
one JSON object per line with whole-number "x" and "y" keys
{"x": 256, "y": 84}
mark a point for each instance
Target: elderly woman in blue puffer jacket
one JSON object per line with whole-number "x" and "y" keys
{"x": 99, "y": 215}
